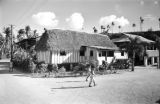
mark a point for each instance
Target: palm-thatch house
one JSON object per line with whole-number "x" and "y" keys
{"x": 65, "y": 46}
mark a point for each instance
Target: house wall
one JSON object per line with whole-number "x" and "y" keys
{"x": 118, "y": 55}
{"x": 44, "y": 56}
{"x": 151, "y": 58}
{"x": 74, "y": 56}
{"x": 87, "y": 54}
{"x": 55, "y": 58}
{"x": 70, "y": 57}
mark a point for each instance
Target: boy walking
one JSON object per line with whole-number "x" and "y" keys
{"x": 91, "y": 75}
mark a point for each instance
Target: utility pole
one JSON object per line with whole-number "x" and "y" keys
{"x": 11, "y": 40}
{"x": 11, "y": 61}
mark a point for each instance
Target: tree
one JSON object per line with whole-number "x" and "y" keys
{"x": 21, "y": 34}
{"x": 132, "y": 48}
{"x": 157, "y": 44}
{"x": 95, "y": 30}
{"x": 112, "y": 26}
{"x": 27, "y": 29}
{"x": 119, "y": 28}
{"x": 1, "y": 39}
{"x": 134, "y": 25}
{"x": 7, "y": 47}
{"x": 141, "y": 22}
{"x": 102, "y": 28}
{"x": 7, "y": 31}
{"x": 136, "y": 45}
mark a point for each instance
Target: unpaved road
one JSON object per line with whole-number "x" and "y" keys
{"x": 139, "y": 87}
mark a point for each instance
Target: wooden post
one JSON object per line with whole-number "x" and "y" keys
{"x": 50, "y": 59}
{"x": 145, "y": 61}
{"x": 152, "y": 60}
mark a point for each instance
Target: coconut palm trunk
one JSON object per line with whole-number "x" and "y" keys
{"x": 133, "y": 59}
{"x": 159, "y": 58}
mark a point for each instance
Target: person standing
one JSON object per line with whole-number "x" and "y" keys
{"x": 91, "y": 74}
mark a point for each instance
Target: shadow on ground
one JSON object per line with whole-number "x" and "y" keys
{"x": 71, "y": 87}
{"x": 69, "y": 81}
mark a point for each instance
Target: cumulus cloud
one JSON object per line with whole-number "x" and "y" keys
{"x": 75, "y": 21}
{"x": 107, "y": 20}
{"x": 46, "y": 19}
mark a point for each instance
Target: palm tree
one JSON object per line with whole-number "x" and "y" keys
{"x": 7, "y": 31}
{"x": 27, "y": 29}
{"x": 1, "y": 44}
{"x": 35, "y": 34}
{"x": 94, "y": 29}
{"x": 134, "y": 25}
{"x": 112, "y": 26}
{"x": 132, "y": 48}
{"x": 102, "y": 28}
{"x": 141, "y": 22}
{"x": 157, "y": 44}
{"x": 7, "y": 47}
{"x": 20, "y": 35}
{"x": 136, "y": 45}
{"x": 119, "y": 28}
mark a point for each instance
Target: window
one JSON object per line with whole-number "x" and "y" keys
{"x": 91, "y": 53}
{"x": 122, "y": 53}
{"x": 100, "y": 54}
{"x": 155, "y": 59}
{"x": 103, "y": 53}
{"x": 62, "y": 53}
{"x": 110, "y": 53}
{"x": 82, "y": 53}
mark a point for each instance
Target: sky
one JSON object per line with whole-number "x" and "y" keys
{"x": 80, "y": 15}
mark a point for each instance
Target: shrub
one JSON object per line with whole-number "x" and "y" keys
{"x": 21, "y": 61}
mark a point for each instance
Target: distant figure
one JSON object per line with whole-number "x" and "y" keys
{"x": 11, "y": 66}
{"x": 91, "y": 74}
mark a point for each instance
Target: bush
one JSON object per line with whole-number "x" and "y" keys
{"x": 21, "y": 61}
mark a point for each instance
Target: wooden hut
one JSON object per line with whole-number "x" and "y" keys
{"x": 65, "y": 46}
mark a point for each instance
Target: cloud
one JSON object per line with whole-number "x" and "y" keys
{"x": 107, "y": 20}
{"x": 150, "y": 17}
{"x": 46, "y": 19}
{"x": 75, "y": 21}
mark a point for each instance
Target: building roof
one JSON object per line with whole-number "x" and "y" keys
{"x": 127, "y": 37}
{"x": 57, "y": 39}
{"x": 27, "y": 43}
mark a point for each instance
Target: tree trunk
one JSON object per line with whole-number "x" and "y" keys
{"x": 159, "y": 59}
{"x": 133, "y": 57}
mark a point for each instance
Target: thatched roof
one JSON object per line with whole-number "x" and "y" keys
{"x": 57, "y": 39}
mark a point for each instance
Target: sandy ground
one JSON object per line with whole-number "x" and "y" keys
{"x": 139, "y": 87}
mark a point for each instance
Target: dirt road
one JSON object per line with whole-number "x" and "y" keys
{"x": 139, "y": 87}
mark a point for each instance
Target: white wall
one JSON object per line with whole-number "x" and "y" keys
{"x": 117, "y": 54}
{"x": 70, "y": 57}
{"x": 74, "y": 56}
